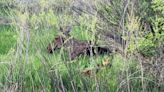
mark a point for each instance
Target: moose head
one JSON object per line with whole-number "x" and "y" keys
{"x": 56, "y": 43}
{"x": 59, "y": 40}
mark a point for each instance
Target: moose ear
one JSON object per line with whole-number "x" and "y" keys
{"x": 68, "y": 30}
{"x": 61, "y": 29}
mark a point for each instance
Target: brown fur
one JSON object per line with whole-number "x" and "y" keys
{"x": 75, "y": 47}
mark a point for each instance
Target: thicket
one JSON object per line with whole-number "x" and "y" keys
{"x": 28, "y": 27}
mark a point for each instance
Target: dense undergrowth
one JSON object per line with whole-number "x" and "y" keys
{"x": 25, "y": 64}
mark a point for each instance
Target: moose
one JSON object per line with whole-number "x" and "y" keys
{"x": 73, "y": 46}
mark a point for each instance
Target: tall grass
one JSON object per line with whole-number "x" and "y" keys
{"x": 25, "y": 64}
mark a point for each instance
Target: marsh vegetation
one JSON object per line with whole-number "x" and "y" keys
{"x": 81, "y": 46}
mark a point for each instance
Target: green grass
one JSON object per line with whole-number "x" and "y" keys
{"x": 38, "y": 68}
{"x": 41, "y": 67}
{"x": 7, "y": 39}
{"x": 28, "y": 67}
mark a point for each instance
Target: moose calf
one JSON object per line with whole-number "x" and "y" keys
{"x": 73, "y": 46}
